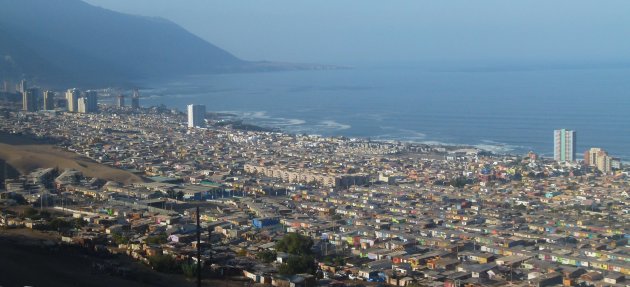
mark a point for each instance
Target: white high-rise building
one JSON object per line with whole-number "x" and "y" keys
{"x": 83, "y": 106}
{"x": 135, "y": 100}
{"x": 196, "y": 116}
{"x": 564, "y": 142}
{"x": 72, "y": 96}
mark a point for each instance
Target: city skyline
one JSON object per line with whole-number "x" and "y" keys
{"x": 311, "y": 144}
{"x": 396, "y": 199}
{"x": 564, "y": 146}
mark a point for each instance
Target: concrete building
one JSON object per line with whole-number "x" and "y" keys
{"x": 22, "y": 87}
{"x": 91, "y": 101}
{"x": 196, "y": 116}
{"x": 49, "y": 100}
{"x": 135, "y": 99}
{"x": 6, "y": 86}
{"x": 88, "y": 103}
{"x": 72, "y": 97}
{"x": 564, "y": 142}
{"x": 599, "y": 158}
{"x": 29, "y": 100}
{"x": 82, "y": 106}
{"x": 120, "y": 101}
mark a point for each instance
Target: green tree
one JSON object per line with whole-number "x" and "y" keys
{"x": 30, "y": 212}
{"x": 59, "y": 224}
{"x": 297, "y": 265}
{"x": 458, "y": 182}
{"x": 164, "y": 263}
{"x": 157, "y": 239}
{"x": 339, "y": 261}
{"x": 78, "y": 223}
{"x": 267, "y": 256}
{"x": 189, "y": 269}
{"x": 296, "y": 244}
{"x": 119, "y": 238}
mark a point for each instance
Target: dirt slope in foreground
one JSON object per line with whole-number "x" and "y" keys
{"x": 27, "y": 262}
{"x": 27, "y": 157}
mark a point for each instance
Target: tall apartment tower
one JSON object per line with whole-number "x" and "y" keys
{"x": 564, "y": 142}
{"x": 196, "y": 116}
{"x": 29, "y": 100}
{"x": 88, "y": 103}
{"x": 49, "y": 100}
{"x": 82, "y": 105}
{"x": 135, "y": 99}
{"x": 72, "y": 96}
{"x": 598, "y": 158}
{"x": 22, "y": 87}
{"x": 92, "y": 101}
{"x": 120, "y": 101}
{"x": 6, "y": 86}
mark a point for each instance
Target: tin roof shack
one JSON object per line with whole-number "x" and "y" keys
{"x": 194, "y": 192}
{"x": 265, "y": 222}
{"x": 548, "y": 279}
{"x": 614, "y": 278}
{"x": 299, "y": 280}
{"x": 512, "y": 260}
{"x": 443, "y": 263}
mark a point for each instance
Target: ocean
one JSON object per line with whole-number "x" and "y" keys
{"x": 506, "y": 111}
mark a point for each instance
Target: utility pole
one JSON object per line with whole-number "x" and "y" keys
{"x": 198, "y": 250}
{"x": 210, "y": 244}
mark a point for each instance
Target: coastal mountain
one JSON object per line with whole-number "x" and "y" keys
{"x": 70, "y": 42}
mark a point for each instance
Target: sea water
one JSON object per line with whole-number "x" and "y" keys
{"x": 512, "y": 111}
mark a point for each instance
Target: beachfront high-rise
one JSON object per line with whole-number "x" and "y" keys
{"x": 82, "y": 105}
{"x": 120, "y": 101}
{"x": 72, "y": 96}
{"x": 564, "y": 142}
{"x": 22, "y": 87}
{"x": 88, "y": 103}
{"x": 196, "y": 116}
{"x": 29, "y": 100}
{"x": 600, "y": 159}
{"x": 92, "y": 101}
{"x": 135, "y": 99}
{"x": 49, "y": 100}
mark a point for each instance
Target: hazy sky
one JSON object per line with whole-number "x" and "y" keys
{"x": 382, "y": 31}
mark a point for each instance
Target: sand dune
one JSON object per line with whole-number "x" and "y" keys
{"x": 27, "y": 157}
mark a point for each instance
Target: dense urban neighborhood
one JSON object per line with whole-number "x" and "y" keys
{"x": 305, "y": 210}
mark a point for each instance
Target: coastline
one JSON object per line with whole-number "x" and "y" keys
{"x": 229, "y": 119}
{"x": 484, "y": 110}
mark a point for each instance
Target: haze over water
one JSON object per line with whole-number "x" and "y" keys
{"x": 504, "y": 110}
{"x": 509, "y": 109}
